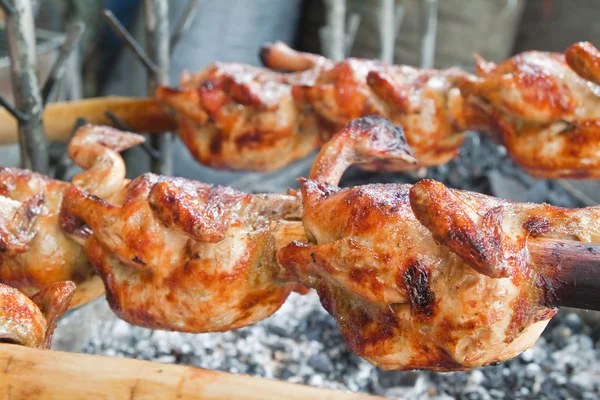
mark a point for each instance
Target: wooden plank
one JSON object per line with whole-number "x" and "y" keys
{"x": 141, "y": 114}
{"x": 37, "y": 374}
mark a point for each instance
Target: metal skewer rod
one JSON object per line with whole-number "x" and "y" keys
{"x": 22, "y": 52}
{"x": 157, "y": 47}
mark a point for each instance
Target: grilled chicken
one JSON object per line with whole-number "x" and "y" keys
{"x": 424, "y": 276}
{"x": 31, "y": 322}
{"x": 236, "y": 116}
{"x": 34, "y": 251}
{"x": 175, "y": 254}
{"x": 426, "y": 103}
{"x": 542, "y": 107}
{"x": 545, "y": 110}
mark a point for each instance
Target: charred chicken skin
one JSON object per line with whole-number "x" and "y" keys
{"x": 236, "y": 116}
{"x": 31, "y": 322}
{"x": 426, "y": 103}
{"x": 239, "y": 117}
{"x": 544, "y": 108}
{"x": 175, "y": 254}
{"x": 34, "y": 251}
{"x": 424, "y": 276}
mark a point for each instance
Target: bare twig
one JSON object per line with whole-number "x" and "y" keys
{"x": 184, "y": 23}
{"x": 429, "y": 32}
{"x": 400, "y": 13}
{"x": 7, "y": 7}
{"x": 157, "y": 47}
{"x": 129, "y": 41}
{"x": 333, "y": 37}
{"x": 387, "y": 29}
{"x": 74, "y": 35}
{"x": 22, "y": 52}
{"x": 578, "y": 194}
{"x": 64, "y": 162}
{"x": 14, "y": 112}
{"x": 353, "y": 24}
{"x": 124, "y": 126}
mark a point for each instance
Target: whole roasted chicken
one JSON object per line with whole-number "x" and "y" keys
{"x": 240, "y": 117}
{"x": 544, "y": 108}
{"x": 31, "y": 322}
{"x": 34, "y": 251}
{"x": 181, "y": 255}
{"x": 424, "y": 276}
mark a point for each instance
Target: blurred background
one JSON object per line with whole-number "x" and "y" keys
{"x": 301, "y": 342}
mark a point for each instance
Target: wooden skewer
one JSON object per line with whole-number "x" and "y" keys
{"x": 570, "y": 274}
{"x": 141, "y": 114}
{"x": 27, "y": 373}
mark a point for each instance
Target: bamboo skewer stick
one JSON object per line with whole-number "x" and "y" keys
{"x": 141, "y": 114}
{"x": 28, "y": 373}
{"x": 570, "y": 271}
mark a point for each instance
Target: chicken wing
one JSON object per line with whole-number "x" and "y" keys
{"x": 29, "y": 216}
{"x": 546, "y": 115}
{"x": 31, "y": 322}
{"x": 181, "y": 255}
{"x": 424, "y": 276}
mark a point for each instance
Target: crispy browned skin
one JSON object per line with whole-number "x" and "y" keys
{"x": 181, "y": 255}
{"x": 546, "y": 115}
{"x": 371, "y": 142}
{"x": 241, "y": 117}
{"x": 234, "y": 116}
{"x": 584, "y": 59}
{"x": 34, "y": 251}
{"x": 31, "y": 322}
{"x": 424, "y": 276}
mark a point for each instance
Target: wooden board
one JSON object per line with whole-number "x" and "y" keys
{"x": 40, "y": 374}
{"x": 141, "y": 114}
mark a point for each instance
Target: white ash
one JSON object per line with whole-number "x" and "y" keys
{"x": 301, "y": 342}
